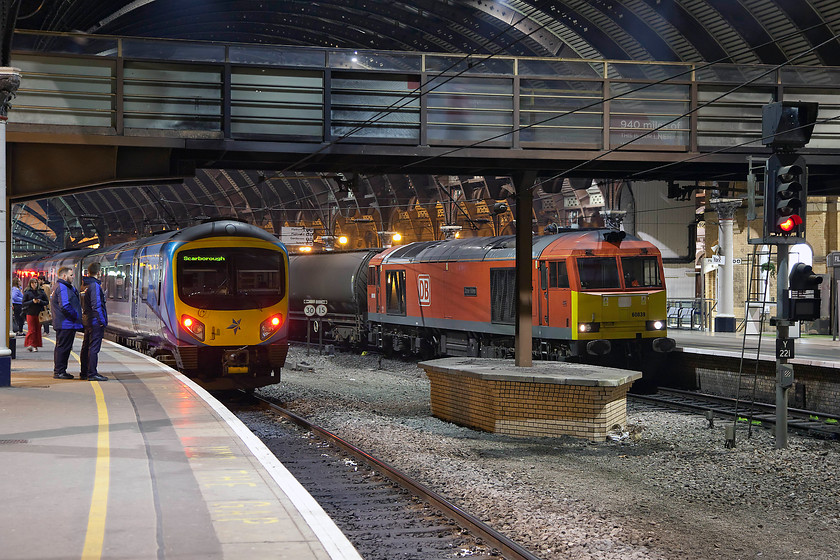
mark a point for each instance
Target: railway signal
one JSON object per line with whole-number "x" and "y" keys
{"x": 785, "y": 195}
{"x": 798, "y": 304}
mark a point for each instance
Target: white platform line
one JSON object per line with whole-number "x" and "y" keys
{"x": 335, "y": 542}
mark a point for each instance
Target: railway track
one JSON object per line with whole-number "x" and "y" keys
{"x": 804, "y": 421}
{"x": 385, "y": 513}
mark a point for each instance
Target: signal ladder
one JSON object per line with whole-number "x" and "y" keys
{"x": 761, "y": 270}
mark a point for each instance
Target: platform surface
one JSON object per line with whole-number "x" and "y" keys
{"x": 557, "y": 373}
{"x": 145, "y": 465}
{"x": 810, "y": 350}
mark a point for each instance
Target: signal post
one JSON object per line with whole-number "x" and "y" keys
{"x": 786, "y": 127}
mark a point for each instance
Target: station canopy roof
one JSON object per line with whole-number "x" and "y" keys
{"x": 742, "y": 31}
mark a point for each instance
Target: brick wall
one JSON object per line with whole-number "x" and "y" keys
{"x": 814, "y": 388}
{"x": 528, "y": 408}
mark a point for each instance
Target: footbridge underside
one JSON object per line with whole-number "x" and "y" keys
{"x": 130, "y": 111}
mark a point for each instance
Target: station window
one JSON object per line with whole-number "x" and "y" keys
{"x": 395, "y": 292}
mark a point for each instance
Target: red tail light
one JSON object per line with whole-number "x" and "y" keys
{"x": 193, "y": 326}
{"x": 270, "y": 326}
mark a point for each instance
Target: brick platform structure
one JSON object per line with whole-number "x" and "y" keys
{"x": 547, "y": 399}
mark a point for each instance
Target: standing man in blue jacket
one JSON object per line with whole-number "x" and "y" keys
{"x": 67, "y": 319}
{"x": 95, "y": 319}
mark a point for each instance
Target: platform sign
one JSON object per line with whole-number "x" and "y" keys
{"x": 297, "y": 235}
{"x": 784, "y": 348}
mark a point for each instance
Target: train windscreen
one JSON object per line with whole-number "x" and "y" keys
{"x": 598, "y": 273}
{"x": 641, "y": 272}
{"x": 230, "y": 278}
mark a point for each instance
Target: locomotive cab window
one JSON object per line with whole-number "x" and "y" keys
{"x": 598, "y": 273}
{"x": 226, "y": 278}
{"x": 641, "y": 272}
{"x": 395, "y": 292}
{"x": 558, "y": 276}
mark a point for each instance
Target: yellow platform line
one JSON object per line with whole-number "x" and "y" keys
{"x": 95, "y": 535}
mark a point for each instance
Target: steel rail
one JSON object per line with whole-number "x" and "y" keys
{"x": 510, "y": 549}
{"x": 803, "y": 420}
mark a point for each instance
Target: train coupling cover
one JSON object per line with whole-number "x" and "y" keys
{"x": 598, "y": 347}
{"x": 235, "y": 361}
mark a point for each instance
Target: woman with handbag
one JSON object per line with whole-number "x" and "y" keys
{"x": 34, "y": 302}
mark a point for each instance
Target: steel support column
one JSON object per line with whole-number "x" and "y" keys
{"x": 523, "y": 183}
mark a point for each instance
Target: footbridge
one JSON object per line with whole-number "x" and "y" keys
{"x": 101, "y": 111}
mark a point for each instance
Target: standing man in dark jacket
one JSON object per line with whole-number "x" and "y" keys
{"x": 67, "y": 319}
{"x": 95, "y": 319}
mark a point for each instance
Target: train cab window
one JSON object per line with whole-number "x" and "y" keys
{"x": 641, "y": 272}
{"x": 228, "y": 278}
{"x": 558, "y": 276}
{"x": 395, "y": 292}
{"x": 598, "y": 273}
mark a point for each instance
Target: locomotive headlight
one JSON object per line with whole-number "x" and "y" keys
{"x": 655, "y": 325}
{"x": 589, "y": 327}
{"x": 193, "y": 326}
{"x": 270, "y": 326}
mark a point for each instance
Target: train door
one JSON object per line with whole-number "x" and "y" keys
{"x": 542, "y": 299}
{"x": 134, "y": 286}
{"x": 558, "y": 294}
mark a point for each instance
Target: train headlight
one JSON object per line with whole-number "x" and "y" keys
{"x": 270, "y": 326}
{"x": 655, "y": 325}
{"x": 589, "y": 327}
{"x": 193, "y": 326}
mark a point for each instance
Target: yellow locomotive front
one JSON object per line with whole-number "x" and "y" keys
{"x": 620, "y": 296}
{"x": 230, "y": 305}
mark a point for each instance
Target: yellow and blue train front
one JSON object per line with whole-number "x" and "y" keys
{"x": 602, "y": 319}
{"x": 231, "y": 306}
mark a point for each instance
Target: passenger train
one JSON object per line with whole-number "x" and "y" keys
{"x": 213, "y": 298}
{"x": 596, "y": 292}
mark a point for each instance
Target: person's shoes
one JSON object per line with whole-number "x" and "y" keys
{"x": 34, "y": 349}
{"x": 97, "y": 377}
{"x": 63, "y": 376}
{"x": 30, "y": 348}
{"x": 83, "y": 376}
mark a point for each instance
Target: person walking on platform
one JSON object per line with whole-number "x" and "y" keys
{"x": 47, "y": 287}
{"x": 34, "y": 301}
{"x": 67, "y": 319}
{"x": 95, "y": 319}
{"x": 17, "y": 307}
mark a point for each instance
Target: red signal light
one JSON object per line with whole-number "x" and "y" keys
{"x": 788, "y": 224}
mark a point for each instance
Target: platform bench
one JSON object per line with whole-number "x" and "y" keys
{"x": 547, "y": 399}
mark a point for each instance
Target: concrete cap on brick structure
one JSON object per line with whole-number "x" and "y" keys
{"x": 558, "y": 373}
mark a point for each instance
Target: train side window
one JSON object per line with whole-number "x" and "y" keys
{"x": 543, "y": 276}
{"x": 395, "y": 292}
{"x": 110, "y": 283}
{"x": 144, "y": 285}
{"x": 558, "y": 276}
{"x": 373, "y": 276}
